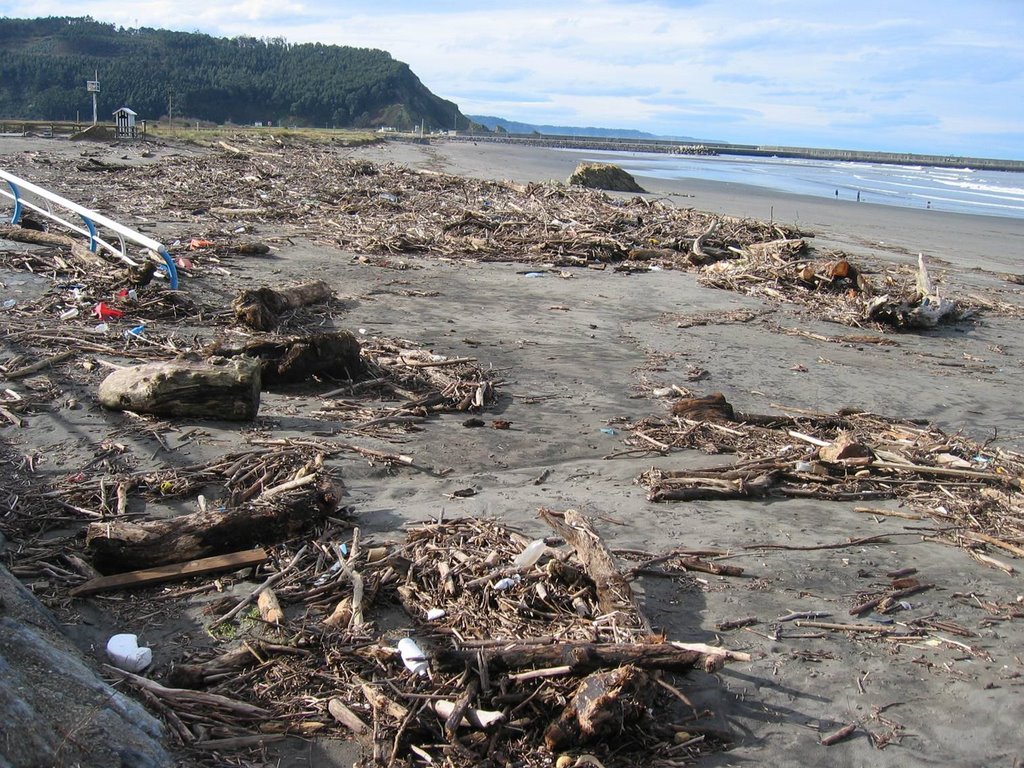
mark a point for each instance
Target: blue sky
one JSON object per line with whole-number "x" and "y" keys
{"x": 936, "y": 76}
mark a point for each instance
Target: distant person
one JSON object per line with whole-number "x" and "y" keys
{"x": 837, "y": 194}
{"x": 858, "y": 195}
{"x": 928, "y": 204}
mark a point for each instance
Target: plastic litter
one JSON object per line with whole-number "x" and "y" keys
{"x": 103, "y": 312}
{"x": 9, "y": 304}
{"x": 803, "y": 466}
{"x": 507, "y": 583}
{"x": 534, "y": 274}
{"x": 530, "y": 554}
{"x": 608, "y": 430}
{"x": 70, "y": 313}
{"x": 126, "y": 654}
{"x": 101, "y": 328}
{"x": 136, "y": 331}
{"x": 436, "y": 613}
{"x": 412, "y": 656}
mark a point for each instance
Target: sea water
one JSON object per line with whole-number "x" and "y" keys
{"x": 960, "y": 190}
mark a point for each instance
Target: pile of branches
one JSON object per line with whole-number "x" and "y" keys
{"x": 974, "y": 490}
{"x": 508, "y": 651}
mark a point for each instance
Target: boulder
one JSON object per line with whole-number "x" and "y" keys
{"x": 55, "y": 709}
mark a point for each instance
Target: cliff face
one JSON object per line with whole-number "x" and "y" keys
{"x": 44, "y": 64}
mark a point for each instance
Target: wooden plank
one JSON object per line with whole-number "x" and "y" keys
{"x": 172, "y": 572}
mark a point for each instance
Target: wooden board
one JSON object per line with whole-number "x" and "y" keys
{"x": 172, "y": 572}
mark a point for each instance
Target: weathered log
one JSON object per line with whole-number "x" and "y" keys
{"x": 580, "y": 657}
{"x": 79, "y": 250}
{"x": 707, "y": 489}
{"x": 713, "y": 407}
{"x": 223, "y": 390}
{"x": 260, "y": 308}
{"x": 121, "y": 545}
{"x": 337, "y": 355}
{"x": 614, "y": 595}
{"x": 603, "y": 704}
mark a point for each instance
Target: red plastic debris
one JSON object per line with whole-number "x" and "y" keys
{"x": 196, "y": 243}
{"x": 103, "y": 312}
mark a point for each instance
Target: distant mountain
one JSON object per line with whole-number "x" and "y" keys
{"x": 44, "y": 64}
{"x": 511, "y": 126}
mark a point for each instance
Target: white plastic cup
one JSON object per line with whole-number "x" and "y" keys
{"x": 126, "y": 654}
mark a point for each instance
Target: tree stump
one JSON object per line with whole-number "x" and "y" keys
{"x": 292, "y": 360}
{"x": 259, "y": 309}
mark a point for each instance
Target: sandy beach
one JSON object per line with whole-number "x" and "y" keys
{"x": 577, "y": 357}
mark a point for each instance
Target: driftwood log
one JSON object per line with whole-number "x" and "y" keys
{"x": 121, "y": 545}
{"x": 260, "y": 308}
{"x": 614, "y": 595}
{"x": 297, "y": 359}
{"x": 583, "y": 658}
{"x": 603, "y": 705}
{"x": 79, "y": 250}
{"x": 225, "y": 390}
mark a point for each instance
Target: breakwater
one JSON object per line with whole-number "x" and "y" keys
{"x": 750, "y": 150}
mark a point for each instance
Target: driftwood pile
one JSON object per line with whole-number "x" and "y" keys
{"x": 385, "y": 211}
{"x": 973, "y": 490}
{"x": 508, "y": 651}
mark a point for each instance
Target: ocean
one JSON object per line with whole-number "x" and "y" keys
{"x": 959, "y": 190}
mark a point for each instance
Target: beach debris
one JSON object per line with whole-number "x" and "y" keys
{"x": 851, "y": 455}
{"x": 291, "y": 359}
{"x": 260, "y": 308}
{"x": 125, "y": 653}
{"x": 214, "y": 389}
{"x": 171, "y": 572}
{"x": 603, "y": 176}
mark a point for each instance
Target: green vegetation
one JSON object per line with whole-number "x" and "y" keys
{"x": 44, "y": 64}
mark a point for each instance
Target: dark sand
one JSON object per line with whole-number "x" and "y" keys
{"x": 570, "y": 373}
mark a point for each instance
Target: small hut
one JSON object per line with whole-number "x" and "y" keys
{"x": 124, "y": 124}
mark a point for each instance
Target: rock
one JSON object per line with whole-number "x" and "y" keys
{"x": 604, "y": 176}
{"x": 54, "y": 708}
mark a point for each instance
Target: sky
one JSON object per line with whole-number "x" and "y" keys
{"x": 941, "y": 77}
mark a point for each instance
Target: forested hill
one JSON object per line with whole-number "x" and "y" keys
{"x": 44, "y": 65}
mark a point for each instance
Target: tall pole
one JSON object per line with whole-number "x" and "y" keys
{"x": 97, "y": 78}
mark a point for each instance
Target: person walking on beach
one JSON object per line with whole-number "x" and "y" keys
{"x": 837, "y": 194}
{"x": 858, "y": 195}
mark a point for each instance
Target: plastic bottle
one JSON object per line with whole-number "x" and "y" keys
{"x": 70, "y": 313}
{"x": 530, "y": 554}
{"x": 412, "y": 656}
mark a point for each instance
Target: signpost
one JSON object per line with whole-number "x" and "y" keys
{"x": 93, "y": 87}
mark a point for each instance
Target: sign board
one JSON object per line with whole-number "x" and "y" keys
{"x": 92, "y": 86}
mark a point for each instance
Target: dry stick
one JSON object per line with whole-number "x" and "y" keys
{"x": 880, "y": 539}
{"x": 271, "y": 581}
{"x": 872, "y": 628}
{"x": 888, "y": 513}
{"x": 837, "y": 736}
{"x": 1012, "y": 548}
{"x": 38, "y": 366}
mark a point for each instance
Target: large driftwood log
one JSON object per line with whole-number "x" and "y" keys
{"x": 260, "y": 308}
{"x": 291, "y": 360}
{"x": 121, "y": 545}
{"x": 228, "y": 390}
{"x": 614, "y": 595}
{"x": 603, "y": 705}
{"x": 582, "y": 658}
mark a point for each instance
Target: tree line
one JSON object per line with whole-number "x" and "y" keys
{"x": 45, "y": 62}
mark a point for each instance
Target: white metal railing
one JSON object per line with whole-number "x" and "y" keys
{"x": 18, "y": 188}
